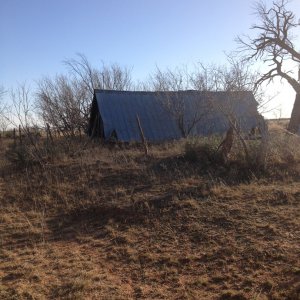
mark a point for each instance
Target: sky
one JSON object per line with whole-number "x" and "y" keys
{"x": 37, "y": 35}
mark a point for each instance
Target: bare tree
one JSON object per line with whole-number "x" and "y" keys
{"x": 24, "y": 117}
{"x": 168, "y": 84}
{"x": 236, "y": 76}
{"x": 64, "y": 102}
{"x": 274, "y": 46}
{"x": 22, "y": 111}
{"x": 171, "y": 87}
{"x": 82, "y": 71}
{"x": 170, "y": 80}
{"x": 186, "y": 112}
{"x": 111, "y": 77}
{"x": 3, "y": 109}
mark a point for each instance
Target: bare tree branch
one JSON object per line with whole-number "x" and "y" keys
{"x": 274, "y": 45}
{"x": 64, "y": 102}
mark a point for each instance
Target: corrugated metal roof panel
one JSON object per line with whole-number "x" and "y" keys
{"x": 119, "y": 109}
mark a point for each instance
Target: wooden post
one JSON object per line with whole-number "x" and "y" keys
{"x": 20, "y": 134}
{"x": 143, "y": 139}
{"x": 49, "y": 133}
{"x": 47, "y": 136}
{"x": 14, "y": 135}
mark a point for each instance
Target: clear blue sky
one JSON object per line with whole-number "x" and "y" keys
{"x": 37, "y": 35}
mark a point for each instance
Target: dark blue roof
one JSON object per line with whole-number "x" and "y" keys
{"x": 119, "y": 109}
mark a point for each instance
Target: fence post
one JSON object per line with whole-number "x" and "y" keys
{"x": 49, "y": 133}
{"x": 20, "y": 134}
{"x": 14, "y": 135}
{"x": 142, "y": 135}
{"x": 80, "y": 134}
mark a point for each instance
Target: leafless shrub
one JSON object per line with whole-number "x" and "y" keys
{"x": 3, "y": 110}
{"x": 111, "y": 77}
{"x": 170, "y": 80}
{"x": 22, "y": 116}
{"x": 64, "y": 102}
{"x": 171, "y": 87}
{"x": 235, "y": 78}
{"x": 203, "y": 150}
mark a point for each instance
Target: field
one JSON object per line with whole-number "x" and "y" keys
{"x": 107, "y": 222}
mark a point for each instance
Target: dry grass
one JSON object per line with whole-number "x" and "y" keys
{"x": 109, "y": 223}
{"x": 278, "y": 124}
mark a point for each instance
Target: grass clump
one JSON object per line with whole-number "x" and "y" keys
{"x": 202, "y": 150}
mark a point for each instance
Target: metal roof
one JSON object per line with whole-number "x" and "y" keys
{"x": 119, "y": 109}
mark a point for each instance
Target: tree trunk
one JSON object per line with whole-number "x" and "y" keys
{"x": 295, "y": 116}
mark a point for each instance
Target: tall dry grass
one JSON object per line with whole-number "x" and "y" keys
{"x": 106, "y": 221}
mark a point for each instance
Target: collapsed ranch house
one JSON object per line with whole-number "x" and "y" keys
{"x": 162, "y": 116}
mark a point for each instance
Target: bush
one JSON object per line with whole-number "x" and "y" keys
{"x": 30, "y": 151}
{"x": 36, "y": 150}
{"x": 8, "y": 134}
{"x": 21, "y": 155}
{"x": 202, "y": 150}
{"x": 284, "y": 149}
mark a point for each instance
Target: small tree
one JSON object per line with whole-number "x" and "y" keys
{"x": 237, "y": 77}
{"x": 64, "y": 102}
{"x": 111, "y": 77}
{"x": 172, "y": 83}
{"x": 23, "y": 110}
{"x": 22, "y": 115}
{"x": 3, "y": 109}
{"x": 274, "y": 46}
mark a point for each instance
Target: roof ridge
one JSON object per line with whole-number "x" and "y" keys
{"x": 168, "y": 92}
